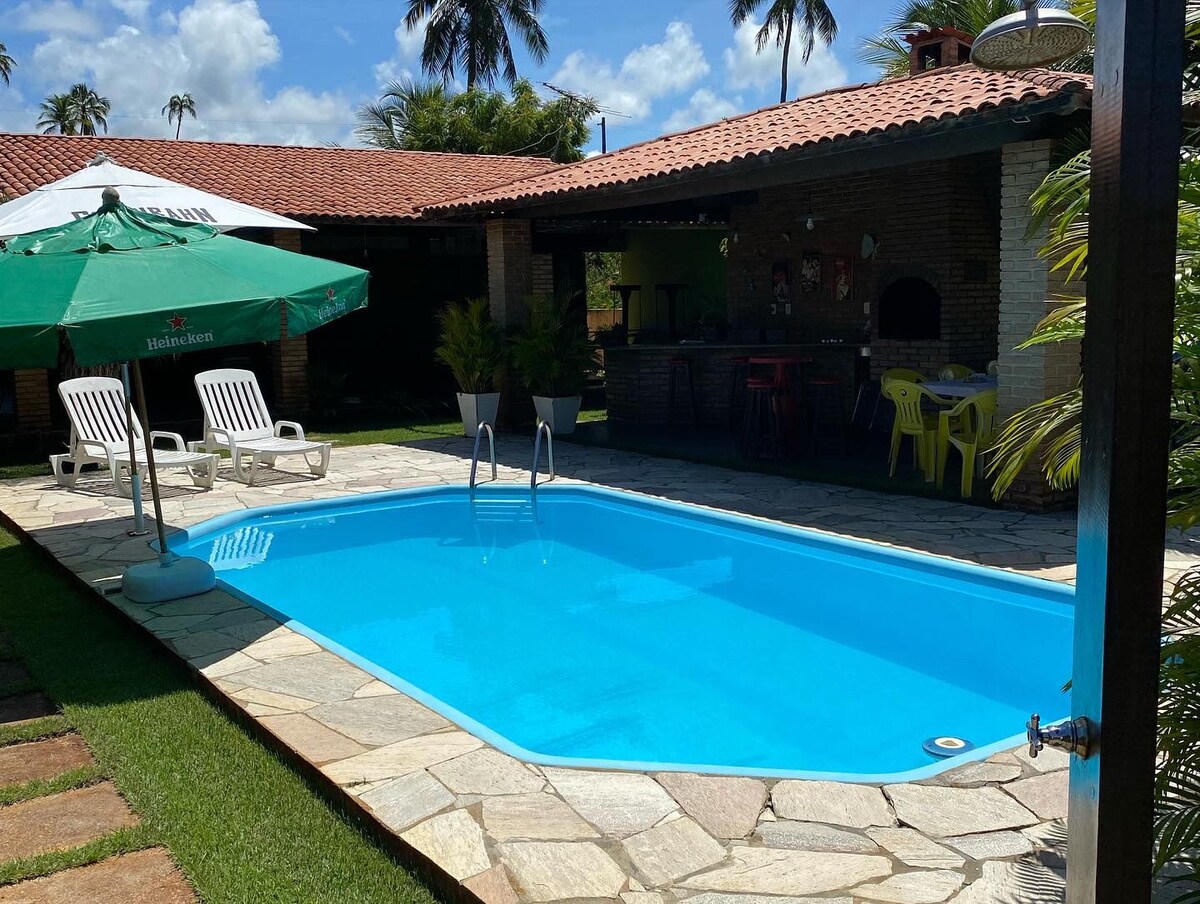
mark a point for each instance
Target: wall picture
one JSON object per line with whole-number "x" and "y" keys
{"x": 810, "y": 271}
{"x": 843, "y": 279}
{"x": 781, "y": 284}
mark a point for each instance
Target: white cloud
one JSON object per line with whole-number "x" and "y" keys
{"x": 344, "y": 34}
{"x": 747, "y": 68}
{"x": 55, "y": 17}
{"x": 215, "y": 50}
{"x": 134, "y": 10}
{"x": 648, "y": 73}
{"x": 703, "y": 106}
{"x": 405, "y": 59}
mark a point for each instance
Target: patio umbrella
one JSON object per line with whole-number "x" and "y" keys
{"x": 121, "y": 285}
{"x": 77, "y": 195}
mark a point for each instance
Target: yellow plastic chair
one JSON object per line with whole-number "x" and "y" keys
{"x": 910, "y": 420}
{"x": 900, "y": 373}
{"x": 955, "y": 372}
{"x": 968, "y": 427}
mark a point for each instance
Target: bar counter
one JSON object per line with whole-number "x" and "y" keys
{"x": 637, "y": 377}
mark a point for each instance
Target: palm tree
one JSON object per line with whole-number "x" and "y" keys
{"x": 57, "y": 115}
{"x": 89, "y": 108}
{"x": 6, "y": 64}
{"x": 473, "y": 33}
{"x": 176, "y": 107}
{"x": 405, "y": 107}
{"x": 813, "y": 17}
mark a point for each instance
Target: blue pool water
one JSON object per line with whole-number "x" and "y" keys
{"x": 620, "y": 631}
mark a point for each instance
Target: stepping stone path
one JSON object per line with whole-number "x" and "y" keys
{"x": 143, "y": 877}
{"x": 68, "y": 819}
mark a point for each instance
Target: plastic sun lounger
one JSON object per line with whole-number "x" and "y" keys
{"x": 236, "y": 419}
{"x": 99, "y": 435}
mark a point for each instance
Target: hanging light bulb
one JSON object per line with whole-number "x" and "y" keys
{"x": 809, "y": 224}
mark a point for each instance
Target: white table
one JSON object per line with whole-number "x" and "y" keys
{"x": 960, "y": 389}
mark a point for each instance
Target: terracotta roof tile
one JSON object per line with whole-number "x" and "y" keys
{"x": 307, "y": 183}
{"x": 836, "y": 115}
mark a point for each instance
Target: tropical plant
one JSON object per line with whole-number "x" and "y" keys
{"x": 89, "y": 109}
{"x": 57, "y": 115}
{"x": 176, "y": 107}
{"x": 602, "y": 270}
{"x": 1177, "y": 780}
{"x": 6, "y": 64}
{"x": 551, "y": 352}
{"x": 812, "y": 17}
{"x": 1050, "y": 431}
{"x": 427, "y": 117}
{"x": 474, "y": 33}
{"x": 472, "y": 345}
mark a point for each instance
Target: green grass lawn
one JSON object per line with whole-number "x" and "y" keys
{"x": 240, "y": 822}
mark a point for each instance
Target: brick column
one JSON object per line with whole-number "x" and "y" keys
{"x": 1027, "y": 285}
{"x": 510, "y": 261}
{"x": 510, "y": 270}
{"x": 32, "y": 400}
{"x": 289, "y": 356}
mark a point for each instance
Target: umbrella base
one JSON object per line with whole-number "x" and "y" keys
{"x": 154, "y": 582}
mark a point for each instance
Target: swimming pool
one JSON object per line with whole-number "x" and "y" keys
{"x": 615, "y": 630}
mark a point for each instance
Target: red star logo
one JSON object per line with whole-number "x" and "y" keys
{"x": 177, "y": 322}
{"x": 329, "y": 293}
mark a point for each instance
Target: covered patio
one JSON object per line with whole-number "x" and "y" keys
{"x": 845, "y": 234}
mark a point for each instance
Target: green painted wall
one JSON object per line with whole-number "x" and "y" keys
{"x": 691, "y": 256}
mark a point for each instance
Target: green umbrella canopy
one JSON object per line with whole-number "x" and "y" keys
{"x": 122, "y": 284}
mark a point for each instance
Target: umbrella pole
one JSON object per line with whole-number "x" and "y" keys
{"x": 135, "y": 479}
{"x": 164, "y": 557}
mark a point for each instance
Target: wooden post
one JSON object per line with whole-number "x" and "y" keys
{"x": 1122, "y": 507}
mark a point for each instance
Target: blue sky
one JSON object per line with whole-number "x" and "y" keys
{"x": 294, "y": 71}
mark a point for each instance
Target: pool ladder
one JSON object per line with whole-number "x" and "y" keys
{"x": 480, "y": 430}
{"x": 543, "y": 429}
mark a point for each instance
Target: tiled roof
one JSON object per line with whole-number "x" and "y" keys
{"x": 891, "y": 105}
{"x": 306, "y": 183}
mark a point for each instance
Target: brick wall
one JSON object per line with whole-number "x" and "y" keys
{"x": 542, "y": 274}
{"x": 32, "y": 390}
{"x": 510, "y": 269}
{"x": 934, "y": 220}
{"x": 1028, "y": 376}
{"x": 289, "y": 356}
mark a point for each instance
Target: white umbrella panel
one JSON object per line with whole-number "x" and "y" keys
{"x": 78, "y": 195}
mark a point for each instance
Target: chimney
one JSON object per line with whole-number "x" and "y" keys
{"x": 937, "y": 47}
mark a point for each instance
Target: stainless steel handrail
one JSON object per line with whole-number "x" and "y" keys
{"x": 542, "y": 427}
{"x": 484, "y": 427}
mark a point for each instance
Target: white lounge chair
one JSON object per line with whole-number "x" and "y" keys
{"x": 236, "y": 419}
{"x": 99, "y": 435}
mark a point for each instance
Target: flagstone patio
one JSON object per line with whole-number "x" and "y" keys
{"x": 508, "y": 831}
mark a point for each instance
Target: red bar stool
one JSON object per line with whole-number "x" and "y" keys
{"x": 739, "y": 373}
{"x": 681, "y": 369}
{"x": 762, "y": 433}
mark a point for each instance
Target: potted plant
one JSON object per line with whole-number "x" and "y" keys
{"x": 552, "y": 354}
{"x": 473, "y": 347}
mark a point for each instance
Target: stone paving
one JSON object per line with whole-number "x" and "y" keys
{"x": 510, "y": 831}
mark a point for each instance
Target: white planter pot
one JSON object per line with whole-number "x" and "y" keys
{"x": 476, "y": 408}
{"x": 560, "y": 413}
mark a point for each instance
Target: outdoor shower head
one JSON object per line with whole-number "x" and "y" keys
{"x": 1036, "y": 36}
